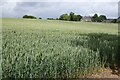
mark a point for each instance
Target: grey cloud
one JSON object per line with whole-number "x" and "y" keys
{"x": 55, "y": 9}
{"x": 42, "y": 9}
{"x": 27, "y": 4}
{"x": 36, "y": 4}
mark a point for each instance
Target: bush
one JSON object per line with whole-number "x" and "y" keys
{"x": 50, "y": 18}
{"x": 29, "y": 17}
{"x": 40, "y": 18}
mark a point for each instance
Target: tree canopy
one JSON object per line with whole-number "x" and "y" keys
{"x": 97, "y": 18}
{"x": 70, "y": 17}
{"x": 29, "y": 16}
{"x": 102, "y": 18}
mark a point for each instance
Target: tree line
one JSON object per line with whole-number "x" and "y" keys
{"x": 73, "y": 17}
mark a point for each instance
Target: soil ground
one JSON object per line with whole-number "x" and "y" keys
{"x": 106, "y": 73}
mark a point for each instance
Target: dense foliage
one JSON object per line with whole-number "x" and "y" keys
{"x": 73, "y": 17}
{"x": 29, "y": 17}
{"x": 97, "y": 18}
{"x": 70, "y": 17}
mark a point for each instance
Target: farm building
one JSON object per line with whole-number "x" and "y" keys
{"x": 86, "y": 19}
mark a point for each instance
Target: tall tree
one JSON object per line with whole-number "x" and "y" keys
{"x": 71, "y": 16}
{"x": 64, "y": 17}
{"x": 95, "y": 18}
{"x": 79, "y": 17}
{"x": 102, "y": 18}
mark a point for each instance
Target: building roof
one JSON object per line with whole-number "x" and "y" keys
{"x": 86, "y": 18}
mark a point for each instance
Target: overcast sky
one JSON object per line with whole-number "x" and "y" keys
{"x": 53, "y": 9}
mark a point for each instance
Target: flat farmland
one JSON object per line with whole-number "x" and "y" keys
{"x": 57, "y": 49}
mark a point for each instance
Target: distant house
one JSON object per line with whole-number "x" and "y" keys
{"x": 86, "y": 19}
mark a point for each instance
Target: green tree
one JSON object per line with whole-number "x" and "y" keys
{"x": 95, "y": 18}
{"x": 102, "y": 18}
{"x": 75, "y": 18}
{"x": 71, "y": 16}
{"x": 40, "y": 18}
{"x": 29, "y": 16}
{"x": 79, "y": 17}
{"x": 64, "y": 17}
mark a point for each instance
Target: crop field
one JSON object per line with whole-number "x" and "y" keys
{"x": 56, "y": 49}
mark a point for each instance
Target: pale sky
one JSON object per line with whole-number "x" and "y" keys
{"x": 54, "y": 8}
